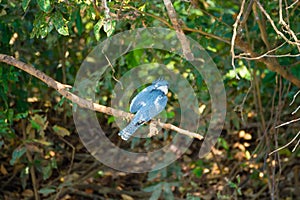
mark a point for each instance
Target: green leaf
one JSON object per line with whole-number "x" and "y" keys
{"x": 191, "y": 197}
{"x": 60, "y": 23}
{"x": 47, "y": 171}
{"x": 25, "y": 4}
{"x": 197, "y": 12}
{"x": 38, "y": 122}
{"x": 296, "y": 71}
{"x": 44, "y": 5}
{"x": 109, "y": 27}
{"x": 40, "y": 26}
{"x": 17, "y": 153}
{"x": 21, "y": 115}
{"x": 78, "y": 22}
{"x": 232, "y": 184}
{"x": 170, "y": 115}
{"x": 10, "y": 115}
{"x": 168, "y": 194}
{"x": 223, "y": 143}
{"x": 153, "y": 187}
{"x": 61, "y": 131}
{"x": 198, "y": 171}
{"x": 153, "y": 174}
{"x": 65, "y": 184}
{"x": 156, "y": 194}
{"x": 35, "y": 125}
{"x": 53, "y": 163}
{"x": 60, "y": 103}
{"x": 47, "y": 190}
{"x": 111, "y": 119}
{"x": 97, "y": 28}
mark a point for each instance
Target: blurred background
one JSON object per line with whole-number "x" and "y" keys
{"x": 42, "y": 156}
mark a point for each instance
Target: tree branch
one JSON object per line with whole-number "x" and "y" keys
{"x": 234, "y": 35}
{"x": 239, "y": 44}
{"x": 270, "y": 63}
{"x": 63, "y": 90}
{"x": 180, "y": 34}
{"x": 297, "y": 43}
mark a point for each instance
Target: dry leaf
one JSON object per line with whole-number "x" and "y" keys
{"x": 61, "y": 131}
{"x": 3, "y": 170}
{"x": 126, "y": 197}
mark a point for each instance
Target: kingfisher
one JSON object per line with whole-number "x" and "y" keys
{"x": 147, "y": 104}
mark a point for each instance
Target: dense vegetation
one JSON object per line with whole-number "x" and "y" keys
{"x": 42, "y": 156}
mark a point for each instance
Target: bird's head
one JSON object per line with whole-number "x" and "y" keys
{"x": 161, "y": 85}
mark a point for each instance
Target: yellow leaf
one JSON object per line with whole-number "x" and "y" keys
{"x": 126, "y": 197}
{"x": 3, "y": 170}
{"x": 61, "y": 131}
{"x": 241, "y": 133}
{"x": 248, "y": 136}
{"x": 247, "y": 155}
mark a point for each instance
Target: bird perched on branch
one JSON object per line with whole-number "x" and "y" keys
{"x": 146, "y": 104}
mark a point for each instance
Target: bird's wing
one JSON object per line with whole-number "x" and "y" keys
{"x": 158, "y": 105}
{"x": 140, "y": 99}
{"x": 155, "y": 105}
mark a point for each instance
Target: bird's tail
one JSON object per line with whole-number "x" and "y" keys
{"x": 129, "y": 130}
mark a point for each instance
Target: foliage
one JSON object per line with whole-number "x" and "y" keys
{"x": 37, "y": 131}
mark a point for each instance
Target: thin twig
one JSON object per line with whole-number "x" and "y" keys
{"x": 294, "y": 3}
{"x": 284, "y": 146}
{"x": 240, "y": 107}
{"x": 287, "y": 27}
{"x": 296, "y": 110}
{"x": 275, "y": 28}
{"x": 268, "y": 56}
{"x": 70, "y": 167}
{"x": 31, "y": 169}
{"x": 113, "y": 70}
{"x": 287, "y": 123}
{"x": 234, "y": 35}
{"x": 272, "y": 65}
{"x": 295, "y": 147}
{"x": 294, "y": 97}
{"x": 247, "y": 13}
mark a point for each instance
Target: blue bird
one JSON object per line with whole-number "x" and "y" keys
{"x": 146, "y": 104}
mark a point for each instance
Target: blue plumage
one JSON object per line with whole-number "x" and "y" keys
{"x": 146, "y": 104}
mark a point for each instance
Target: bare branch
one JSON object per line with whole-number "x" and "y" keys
{"x": 287, "y": 27}
{"x": 262, "y": 27}
{"x": 180, "y": 34}
{"x": 284, "y": 146}
{"x": 294, "y": 97}
{"x": 294, "y": 3}
{"x": 287, "y": 123}
{"x": 276, "y": 29}
{"x": 296, "y": 110}
{"x": 267, "y": 54}
{"x": 295, "y": 147}
{"x": 240, "y": 107}
{"x": 272, "y": 65}
{"x": 234, "y": 35}
{"x": 247, "y": 13}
